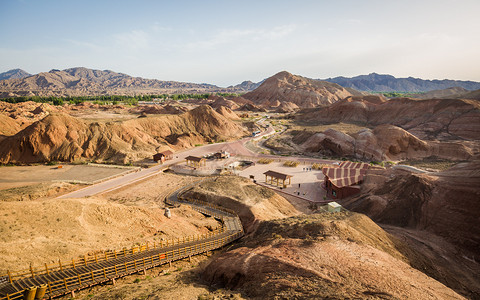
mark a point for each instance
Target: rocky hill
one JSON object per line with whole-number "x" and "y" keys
{"x": 61, "y": 137}
{"x": 438, "y": 213}
{"x": 245, "y": 86}
{"x": 301, "y": 91}
{"x": 442, "y": 119}
{"x": 87, "y": 82}
{"x": 324, "y": 256}
{"x": 388, "y": 83}
{"x": 452, "y": 92}
{"x": 14, "y": 74}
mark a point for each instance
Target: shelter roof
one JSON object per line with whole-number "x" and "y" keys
{"x": 166, "y": 153}
{"x": 194, "y": 158}
{"x": 277, "y": 175}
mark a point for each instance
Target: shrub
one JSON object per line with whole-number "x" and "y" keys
{"x": 57, "y": 101}
{"x": 265, "y": 161}
{"x": 291, "y": 163}
{"x": 317, "y": 166}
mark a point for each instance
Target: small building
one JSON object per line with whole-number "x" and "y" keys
{"x": 163, "y": 156}
{"x": 276, "y": 176}
{"x": 196, "y": 162}
{"x": 334, "y": 207}
{"x": 344, "y": 180}
{"x": 222, "y": 154}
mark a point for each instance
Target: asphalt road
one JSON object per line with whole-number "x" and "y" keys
{"x": 236, "y": 147}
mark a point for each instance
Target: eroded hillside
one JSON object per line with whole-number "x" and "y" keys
{"x": 65, "y": 138}
{"x": 342, "y": 255}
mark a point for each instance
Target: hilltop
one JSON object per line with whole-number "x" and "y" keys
{"x": 388, "y": 83}
{"x": 284, "y": 87}
{"x": 14, "y": 74}
{"x": 59, "y": 136}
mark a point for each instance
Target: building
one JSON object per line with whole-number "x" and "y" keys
{"x": 163, "y": 156}
{"x": 344, "y": 180}
{"x": 334, "y": 207}
{"x": 276, "y": 176}
{"x": 222, "y": 154}
{"x": 196, "y": 162}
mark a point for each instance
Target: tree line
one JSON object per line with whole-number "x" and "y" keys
{"x": 109, "y": 99}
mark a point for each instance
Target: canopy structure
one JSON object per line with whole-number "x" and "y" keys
{"x": 343, "y": 180}
{"x": 276, "y": 176}
{"x": 341, "y": 177}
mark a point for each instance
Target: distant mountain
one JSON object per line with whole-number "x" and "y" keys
{"x": 14, "y": 74}
{"x": 88, "y": 82}
{"x": 301, "y": 91}
{"x": 246, "y": 86}
{"x": 452, "y": 92}
{"x": 388, "y": 83}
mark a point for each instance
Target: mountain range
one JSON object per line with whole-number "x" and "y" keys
{"x": 14, "y": 74}
{"x": 89, "y": 82}
{"x": 387, "y": 83}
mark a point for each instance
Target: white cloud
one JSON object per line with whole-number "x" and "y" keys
{"x": 133, "y": 40}
{"x": 228, "y": 36}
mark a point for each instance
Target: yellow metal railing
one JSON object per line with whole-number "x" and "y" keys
{"x": 60, "y": 287}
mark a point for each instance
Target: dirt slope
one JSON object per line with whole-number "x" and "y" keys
{"x": 227, "y": 113}
{"x": 426, "y": 206}
{"x": 253, "y": 203}
{"x": 44, "y": 231}
{"x": 65, "y": 138}
{"x": 304, "y": 92}
{"x": 322, "y": 256}
{"x": 385, "y": 142}
{"x": 442, "y": 119}
{"x": 444, "y": 203}
{"x": 8, "y": 126}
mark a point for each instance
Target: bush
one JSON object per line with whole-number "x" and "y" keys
{"x": 57, "y": 101}
{"x": 291, "y": 163}
{"x": 265, "y": 161}
{"x": 317, "y": 166}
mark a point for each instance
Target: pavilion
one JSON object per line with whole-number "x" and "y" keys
{"x": 276, "y": 176}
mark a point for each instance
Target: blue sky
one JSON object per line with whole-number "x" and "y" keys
{"x": 226, "y": 42}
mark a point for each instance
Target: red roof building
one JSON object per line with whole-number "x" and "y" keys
{"x": 344, "y": 180}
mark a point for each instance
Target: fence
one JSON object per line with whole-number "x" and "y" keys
{"x": 62, "y": 278}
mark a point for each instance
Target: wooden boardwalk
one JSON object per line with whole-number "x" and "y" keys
{"x": 64, "y": 280}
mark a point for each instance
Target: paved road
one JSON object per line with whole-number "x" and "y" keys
{"x": 236, "y": 147}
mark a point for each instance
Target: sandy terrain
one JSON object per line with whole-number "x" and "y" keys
{"x": 44, "y": 231}
{"x": 307, "y": 183}
{"x": 15, "y": 176}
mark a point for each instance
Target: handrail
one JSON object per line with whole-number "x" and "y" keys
{"x": 154, "y": 256}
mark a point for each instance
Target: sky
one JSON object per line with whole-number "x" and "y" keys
{"x": 226, "y": 42}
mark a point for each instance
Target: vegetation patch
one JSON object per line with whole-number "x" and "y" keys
{"x": 291, "y": 163}
{"x": 265, "y": 161}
